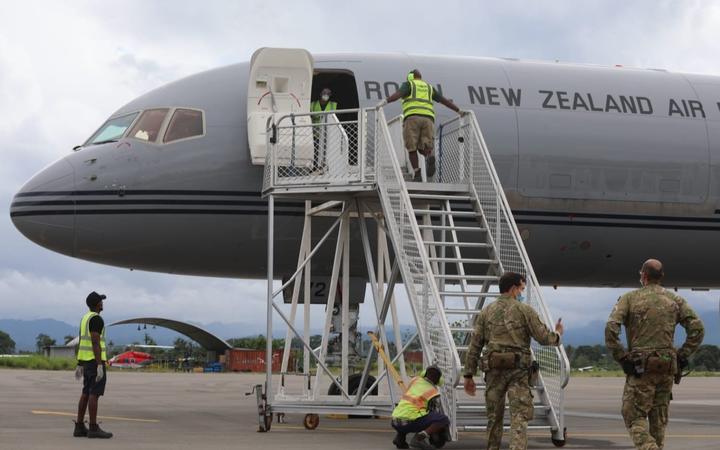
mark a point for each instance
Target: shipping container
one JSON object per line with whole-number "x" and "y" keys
{"x": 249, "y": 360}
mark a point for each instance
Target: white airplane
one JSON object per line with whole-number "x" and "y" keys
{"x": 603, "y": 167}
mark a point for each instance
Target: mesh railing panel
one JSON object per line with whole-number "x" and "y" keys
{"x": 463, "y": 138}
{"x": 430, "y": 318}
{"x": 453, "y": 154}
{"x": 318, "y": 149}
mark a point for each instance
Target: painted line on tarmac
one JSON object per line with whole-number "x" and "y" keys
{"x": 60, "y": 413}
{"x": 482, "y": 433}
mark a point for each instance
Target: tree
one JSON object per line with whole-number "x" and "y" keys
{"x": 7, "y": 345}
{"x": 43, "y": 340}
{"x": 149, "y": 340}
{"x": 256, "y": 342}
{"x": 706, "y": 358}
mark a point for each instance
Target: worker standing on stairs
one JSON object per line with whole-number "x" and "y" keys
{"x": 418, "y": 119}
{"x": 418, "y": 411}
{"x": 504, "y": 329}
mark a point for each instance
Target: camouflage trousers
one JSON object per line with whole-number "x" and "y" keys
{"x": 645, "y": 409}
{"x": 515, "y": 384}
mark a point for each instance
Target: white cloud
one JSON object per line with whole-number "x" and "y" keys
{"x": 32, "y": 296}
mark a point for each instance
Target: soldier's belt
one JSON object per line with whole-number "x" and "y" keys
{"x": 503, "y": 361}
{"x": 658, "y": 365}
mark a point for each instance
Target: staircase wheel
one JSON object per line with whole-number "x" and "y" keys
{"x": 560, "y": 442}
{"x": 311, "y": 421}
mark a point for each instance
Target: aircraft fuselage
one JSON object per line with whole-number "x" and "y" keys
{"x": 604, "y": 167}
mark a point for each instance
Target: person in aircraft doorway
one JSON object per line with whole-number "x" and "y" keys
{"x": 323, "y": 104}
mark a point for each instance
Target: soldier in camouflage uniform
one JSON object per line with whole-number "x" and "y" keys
{"x": 504, "y": 329}
{"x": 650, "y": 315}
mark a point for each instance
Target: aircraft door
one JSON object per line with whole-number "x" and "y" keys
{"x": 280, "y": 83}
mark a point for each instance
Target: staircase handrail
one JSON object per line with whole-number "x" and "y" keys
{"x": 384, "y": 149}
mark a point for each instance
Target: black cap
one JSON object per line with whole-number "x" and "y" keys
{"x": 93, "y": 299}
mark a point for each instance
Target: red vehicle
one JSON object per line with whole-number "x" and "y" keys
{"x": 131, "y": 360}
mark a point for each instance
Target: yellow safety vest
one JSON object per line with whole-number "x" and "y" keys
{"x": 414, "y": 402}
{"x": 419, "y": 102}
{"x": 85, "y": 349}
{"x": 317, "y": 107}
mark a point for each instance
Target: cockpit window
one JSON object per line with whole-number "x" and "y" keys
{"x": 148, "y": 126}
{"x": 112, "y": 130}
{"x": 185, "y": 123}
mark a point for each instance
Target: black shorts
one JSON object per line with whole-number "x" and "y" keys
{"x": 90, "y": 386}
{"x": 421, "y": 423}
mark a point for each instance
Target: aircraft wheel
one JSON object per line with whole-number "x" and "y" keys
{"x": 311, "y": 421}
{"x": 560, "y": 442}
{"x": 354, "y": 384}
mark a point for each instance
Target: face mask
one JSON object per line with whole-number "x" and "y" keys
{"x": 520, "y": 298}
{"x": 325, "y": 98}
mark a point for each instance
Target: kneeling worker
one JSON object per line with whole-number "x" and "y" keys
{"x": 418, "y": 411}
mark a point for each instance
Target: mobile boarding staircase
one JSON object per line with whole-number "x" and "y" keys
{"x": 450, "y": 239}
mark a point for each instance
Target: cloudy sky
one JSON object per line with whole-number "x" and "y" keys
{"x": 65, "y": 66}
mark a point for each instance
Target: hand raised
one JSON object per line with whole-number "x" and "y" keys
{"x": 470, "y": 386}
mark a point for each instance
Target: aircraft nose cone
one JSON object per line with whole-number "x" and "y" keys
{"x": 44, "y": 209}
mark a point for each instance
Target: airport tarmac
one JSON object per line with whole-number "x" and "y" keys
{"x": 211, "y": 411}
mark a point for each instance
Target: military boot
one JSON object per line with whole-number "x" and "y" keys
{"x": 80, "y": 429}
{"x": 96, "y": 432}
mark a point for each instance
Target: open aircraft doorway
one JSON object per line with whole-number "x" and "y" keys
{"x": 343, "y": 87}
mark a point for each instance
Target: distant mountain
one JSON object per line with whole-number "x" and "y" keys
{"x": 594, "y": 332}
{"x": 24, "y": 332}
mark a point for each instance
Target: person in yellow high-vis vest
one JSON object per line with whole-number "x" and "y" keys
{"x": 419, "y": 119}
{"x": 418, "y": 411}
{"x": 92, "y": 358}
{"x": 323, "y": 104}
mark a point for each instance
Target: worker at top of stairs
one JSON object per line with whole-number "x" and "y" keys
{"x": 418, "y": 118}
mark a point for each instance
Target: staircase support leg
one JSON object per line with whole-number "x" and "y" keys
{"x": 269, "y": 312}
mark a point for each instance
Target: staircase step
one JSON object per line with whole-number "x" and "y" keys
{"x": 435, "y": 188}
{"x": 462, "y": 329}
{"x": 450, "y": 228}
{"x": 450, "y": 197}
{"x": 481, "y": 387}
{"x": 469, "y": 294}
{"x": 469, "y": 277}
{"x": 464, "y": 260}
{"x": 506, "y": 427}
{"x": 481, "y": 408}
{"x": 459, "y": 311}
{"x": 440, "y": 212}
{"x": 460, "y": 244}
